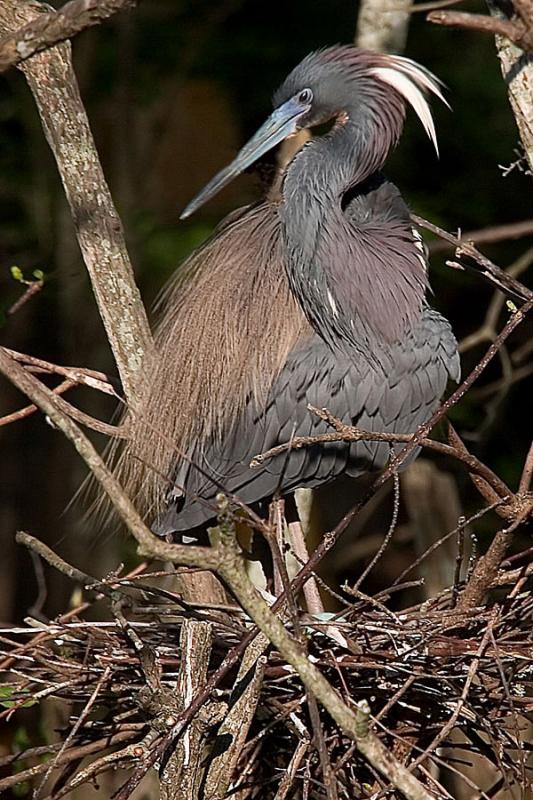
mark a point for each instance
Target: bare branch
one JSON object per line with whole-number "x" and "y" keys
{"x": 494, "y": 233}
{"x": 349, "y": 433}
{"x": 203, "y": 557}
{"x": 52, "y": 28}
{"x": 514, "y": 31}
{"x": 470, "y": 257}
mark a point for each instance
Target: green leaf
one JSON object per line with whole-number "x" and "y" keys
{"x": 8, "y": 690}
{"x": 17, "y": 274}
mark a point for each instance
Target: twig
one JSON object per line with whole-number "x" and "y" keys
{"x": 494, "y": 233}
{"x": 22, "y": 413}
{"x": 516, "y": 32}
{"x": 75, "y": 728}
{"x": 483, "y": 575}
{"x": 471, "y": 257}
{"x": 527, "y": 472}
{"x": 86, "y": 377}
{"x": 349, "y": 433}
{"x": 388, "y": 536}
{"x": 52, "y": 558}
{"x": 293, "y": 767}
{"x": 68, "y": 756}
{"x": 458, "y": 559}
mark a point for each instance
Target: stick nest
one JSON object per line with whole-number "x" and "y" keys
{"x": 443, "y": 693}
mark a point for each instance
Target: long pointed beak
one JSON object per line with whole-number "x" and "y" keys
{"x": 283, "y": 122}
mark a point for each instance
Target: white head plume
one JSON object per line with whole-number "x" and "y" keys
{"x": 413, "y": 81}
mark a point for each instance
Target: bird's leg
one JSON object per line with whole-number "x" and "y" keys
{"x": 274, "y": 538}
{"x": 311, "y": 592}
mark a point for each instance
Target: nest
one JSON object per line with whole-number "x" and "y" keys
{"x": 447, "y": 697}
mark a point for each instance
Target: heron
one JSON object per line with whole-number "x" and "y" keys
{"x": 316, "y": 294}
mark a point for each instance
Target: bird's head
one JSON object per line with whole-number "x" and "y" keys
{"x": 335, "y": 84}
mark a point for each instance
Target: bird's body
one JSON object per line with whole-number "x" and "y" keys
{"x": 315, "y": 296}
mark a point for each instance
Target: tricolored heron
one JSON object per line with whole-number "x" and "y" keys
{"x": 315, "y": 295}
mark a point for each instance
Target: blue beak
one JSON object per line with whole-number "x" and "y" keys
{"x": 281, "y": 124}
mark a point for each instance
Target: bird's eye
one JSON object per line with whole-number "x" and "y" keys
{"x": 305, "y": 96}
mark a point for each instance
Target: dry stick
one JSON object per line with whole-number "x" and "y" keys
{"x": 494, "y": 233}
{"x": 515, "y": 32}
{"x": 527, "y": 472}
{"x": 74, "y": 754}
{"x": 204, "y": 557}
{"x": 15, "y": 416}
{"x": 348, "y": 433}
{"x": 98, "y": 228}
{"x": 51, "y": 28}
{"x": 236, "y": 724}
{"x": 85, "y": 377}
{"x": 73, "y": 731}
{"x": 483, "y": 265}
{"x": 181, "y": 777}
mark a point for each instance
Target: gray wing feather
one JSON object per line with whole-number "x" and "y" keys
{"x": 395, "y": 393}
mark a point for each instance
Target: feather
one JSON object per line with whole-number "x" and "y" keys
{"x": 412, "y": 81}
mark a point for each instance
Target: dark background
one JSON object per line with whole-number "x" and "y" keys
{"x": 172, "y": 89}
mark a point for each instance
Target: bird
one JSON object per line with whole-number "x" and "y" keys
{"x": 317, "y": 294}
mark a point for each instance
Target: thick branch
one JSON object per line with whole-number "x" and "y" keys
{"x": 513, "y": 31}
{"x": 383, "y": 24}
{"x": 98, "y": 228}
{"x": 52, "y": 28}
{"x": 517, "y": 71}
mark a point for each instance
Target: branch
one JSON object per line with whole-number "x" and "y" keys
{"x": 52, "y": 28}
{"x": 231, "y": 735}
{"x": 471, "y": 258}
{"x": 515, "y": 31}
{"x": 182, "y": 772}
{"x": 98, "y": 228}
{"x": 517, "y": 69}
{"x": 494, "y": 233}
{"x": 203, "y": 557}
{"x": 382, "y": 25}
{"x": 349, "y": 433}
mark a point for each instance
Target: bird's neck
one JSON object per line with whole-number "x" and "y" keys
{"x": 353, "y": 261}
